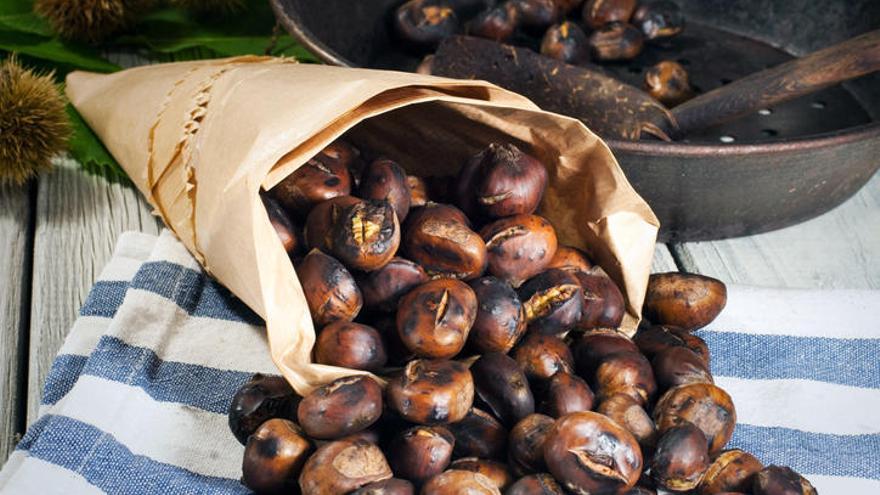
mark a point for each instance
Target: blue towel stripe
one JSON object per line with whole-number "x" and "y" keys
{"x": 758, "y": 357}
{"x": 104, "y": 462}
{"x": 104, "y": 299}
{"x": 65, "y": 370}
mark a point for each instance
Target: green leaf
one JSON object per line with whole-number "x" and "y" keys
{"x": 87, "y": 149}
{"x": 57, "y": 52}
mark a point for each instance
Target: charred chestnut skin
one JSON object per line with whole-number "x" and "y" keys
{"x": 668, "y": 83}
{"x": 479, "y": 434}
{"x": 324, "y": 216}
{"x": 628, "y": 373}
{"x": 684, "y": 300}
{"x": 705, "y": 405}
{"x": 589, "y": 453}
{"x": 351, "y": 345}
{"x": 509, "y": 182}
{"x": 344, "y": 406}
{"x": 519, "y": 247}
{"x": 500, "y": 321}
{"x": 681, "y": 458}
{"x": 431, "y": 391}
{"x": 274, "y": 457}
{"x": 535, "y": 484}
{"x": 566, "y": 42}
{"x": 570, "y": 259}
{"x": 421, "y": 452}
{"x": 323, "y": 177}
{"x": 653, "y": 339}
{"x": 616, "y": 41}
{"x": 385, "y": 179}
{"x": 391, "y": 486}
{"x": 288, "y": 233}
{"x": 630, "y": 414}
{"x": 261, "y": 398}
{"x": 658, "y": 20}
{"x": 438, "y": 238}
{"x": 536, "y": 15}
{"x": 542, "y": 356}
{"x": 503, "y": 387}
{"x": 604, "y": 305}
{"x": 383, "y": 288}
{"x": 678, "y": 365}
{"x": 460, "y": 482}
{"x": 424, "y": 23}
{"x": 591, "y": 349}
{"x": 497, "y": 23}
{"x": 553, "y": 301}
{"x": 366, "y": 235}
{"x": 331, "y": 291}
{"x": 732, "y": 471}
{"x": 781, "y": 480}
{"x": 434, "y": 319}
{"x": 526, "y": 452}
{"x": 340, "y": 467}
{"x": 598, "y": 13}
{"x": 566, "y": 393}
{"x": 494, "y": 470}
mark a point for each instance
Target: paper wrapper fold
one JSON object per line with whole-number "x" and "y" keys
{"x": 200, "y": 139}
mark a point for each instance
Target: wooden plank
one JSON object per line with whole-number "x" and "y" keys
{"x": 663, "y": 261}
{"x": 837, "y": 250}
{"x": 79, "y": 218}
{"x": 15, "y": 219}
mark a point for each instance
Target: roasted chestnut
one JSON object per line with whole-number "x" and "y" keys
{"x": 433, "y": 320}
{"x": 479, "y": 434}
{"x": 497, "y": 23}
{"x": 323, "y": 177}
{"x": 630, "y": 414}
{"x": 261, "y": 398}
{"x": 542, "y": 356}
{"x": 566, "y": 42}
{"x": 604, "y": 305}
{"x": 494, "y": 470}
{"x": 678, "y": 365}
{"x": 658, "y": 20}
{"x": 681, "y": 458}
{"x": 553, "y": 301}
{"x": 424, "y": 23}
{"x": 421, "y": 452}
{"x": 344, "y": 406}
{"x": 535, "y": 484}
{"x": 274, "y": 457}
{"x": 503, "y": 387}
{"x": 668, "y": 83}
{"x": 598, "y": 13}
{"x": 589, "y": 453}
{"x": 566, "y": 393}
{"x": 616, "y": 41}
{"x": 684, "y": 300}
{"x": 350, "y": 345}
{"x": 593, "y": 347}
{"x": 570, "y": 259}
{"x": 463, "y": 189}
{"x": 703, "y": 404}
{"x": 781, "y": 480}
{"x": 382, "y": 288}
{"x": 509, "y": 182}
{"x": 432, "y": 391}
{"x": 391, "y": 486}
{"x": 330, "y": 290}
{"x": 288, "y": 233}
{"x": 366, "y": 235}
{"x": 526, "y": 452}
{"x": 343, "y": 466}
{"x": 732, "y": 471}
{"x": 655, "y": 338}
{"x": 468, "y": 8}
{"x": 459, "y": 482}
{"x": 500, "y": 321}
{"x": 627, "y": 373}
{"x": 384, "y": 179}
{"x": 519, "y": 247}
{"x": 438, "y": 238}
{"x": 536, "y": 15}
{"x": 324, "y": 216}
{"x": 418, "y": 188}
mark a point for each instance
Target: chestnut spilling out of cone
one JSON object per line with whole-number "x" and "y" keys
{"x": 506, "y": 372}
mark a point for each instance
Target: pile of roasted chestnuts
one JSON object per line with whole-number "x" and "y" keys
{"x": 505, "y": 371}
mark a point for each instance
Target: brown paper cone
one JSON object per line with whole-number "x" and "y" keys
{"x": 200, "y": 139}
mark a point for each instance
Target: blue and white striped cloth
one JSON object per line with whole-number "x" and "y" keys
{"x": 135, "y": 402}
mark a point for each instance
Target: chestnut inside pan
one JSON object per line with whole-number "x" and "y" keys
{"x": 775, "y": 168}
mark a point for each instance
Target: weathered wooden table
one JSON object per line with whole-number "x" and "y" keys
{"x": 57, "y": 234}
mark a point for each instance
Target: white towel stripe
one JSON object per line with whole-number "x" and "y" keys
{"x": 25, "y": 475}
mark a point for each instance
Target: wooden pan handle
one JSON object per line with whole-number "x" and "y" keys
{"x": 847, "y": 60}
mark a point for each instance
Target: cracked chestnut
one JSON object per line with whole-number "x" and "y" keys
{"x": 431, "y": 391}
{"x": 424, "y": 23}
{"x": 668, "y": 83}
{"x": 383, "y": 288}
{"x": 503, "y": 387}
{"x": 343, "y": 466}
{"x": 598, "y": 13}
{"x": 659, "y": 20}
{"x": 500, "y": 320}
{"x": 681, "y": 458}
{"x": 566, "y": 393}
{"x": 329, "y": 288}
{"x": 366, "y": 235}
{"x": 781, "y": 480}
{"x": 344, "y": 406}
{"x": 384, "y": 179}
{"x": 509, "y": 182}
{"x": 497, "y": 23}
{"x": 616, "y": 41}
{"x": 570, "y": 259}
{"x": 703, "y": 404}
{"x": 519, "y": 247}
{"x": 542, "y": 356}
{"x": 566, "y": 42}
{"x": 630, "y": 414}
{"x": 526, "y": 452}
{"x": 732, "y": 471}
{"x": 274, "y": 457}
{"x": 535, "y": 484}
{"x": 553, "y": 301}
{"x": 324, "y": 216}
{"x": 684, "y": 300}
{"x": 627, "y": 373}
{"x": 420, "y": 453}
{"x": 479, "y": 434}
{"x": 494, "y": 470}
{"x": 438, "y": 238}
{"x": 604, "y": 305}
{"x": 433, "y": 320}
{"x": 323, "y": 177}
{"x": 460, "y": 482}
{"x": 351, "y": 345}
{"x": 677, "y": 365}
{"x": 391, "y": 486}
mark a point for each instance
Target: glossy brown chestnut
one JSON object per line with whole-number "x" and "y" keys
{"x": 668, "y": 83}
{"x": 382, "y": 288}
{"x": 655, "y": 338}
{"x": 350, "y": 345}
{"x": 323, "y": 177}
{"x": 519, "y": 247}
{"x": 261, "y": 398}
{"x": 627, "y": 373}
{"x": 781, "y": 480}
{"x": 366, "y": 235}
{"x": 463, "y": 189}
{"x": 630, "y": 414}
{"x": 497, "y": 23}
{"x": 703, "y": 404}
{"x": 459, "y": 482}
{"x": 589, "y": 453}
{"x": 537, "y": 15}
{"x": 418, "y": 189}
{"x": 732, "y": 471}
{"x": 494, "y": 470}
{"x": 341, "y": 467}
{"x": 398, "y": 354}
{"x": 274, "y": 457}
{"x": 604, "y": 305}
{"x": 385, "y": 179}
{"x": 570, "y": 259}
{"x": 684, "y": 300}
{"x": 593, "y": 347}
{"x": 681, "y": 458}
{"x": 479, "y": 434}
{"x": 616, "y": 41}
{"x": 324, "y": 216}
{"x": 535, "y": 484}
{"x": 566, "y": 393}
{"x": 433, "y": 320}
{"x": 432, "y": 391}
{"x": 391, "y": 486}
{"x": 438, "y": 238}
{"x": 598, "y": 13}
{"x": 553, "y": 301}
{"x": 330, "y": 290}
{"x": 424, "y": 23}
{"x": 678, "y": 365}
{"x": 526, "y": 452}
{"x": 501, "y": 320}
{"x": 509, "y": 182}
{"x": 344, "y": 406}
{"x": 288, "y": 233}
{"x": 542, "y": 356}
{"x": 566, "y": 42}
{"x": 421, "y": 452}
{"x": 503, "y": 387}
{"x": 566, "y": 6}
{"x": 658, "y": 20}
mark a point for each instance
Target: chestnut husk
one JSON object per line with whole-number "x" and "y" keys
{"x": 434, "y": 319}
{"x": 681, "y": 459}
{"x": 351, "y": 345}
{"x": 479, "y": 434}
{"x": 519, "y": 247}
{"x": 330, "y": 290}
{"x": 383, "y": 288}
{"x": 685, "y": 300}
{"x": 431, "y": 391}
{"x": 705, "y": 405}
{"x": 553, "y": 301}
{"x": 500, "y": 321}
{"x": 343, "y": 466}
{"x": 503, "y": 387}
{"x": 421, "y": 452}
{"x": 260, "y": 399}
{"x": 526, "y": 452}
{"x": 366, "y": 235}
{"x": 274, "y": 457}
{"x": 566, "y": 393}
{"x": 344, "y": 406}
{"x": 385, "y": 179}
{"x": 566, "y": 42}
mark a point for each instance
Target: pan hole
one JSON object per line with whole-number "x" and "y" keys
{"x": 819, "y": 105}
{"x": 727, "y": 138}
{"x": 684, "y": 61}
{"x": 634, "y": 69}
{"x": 769, "y": 132}
{"x": 725, "y": 80}
{"x": 765, "y": 111}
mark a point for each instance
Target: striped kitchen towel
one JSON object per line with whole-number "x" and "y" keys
{"x": 135, "y": 402}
